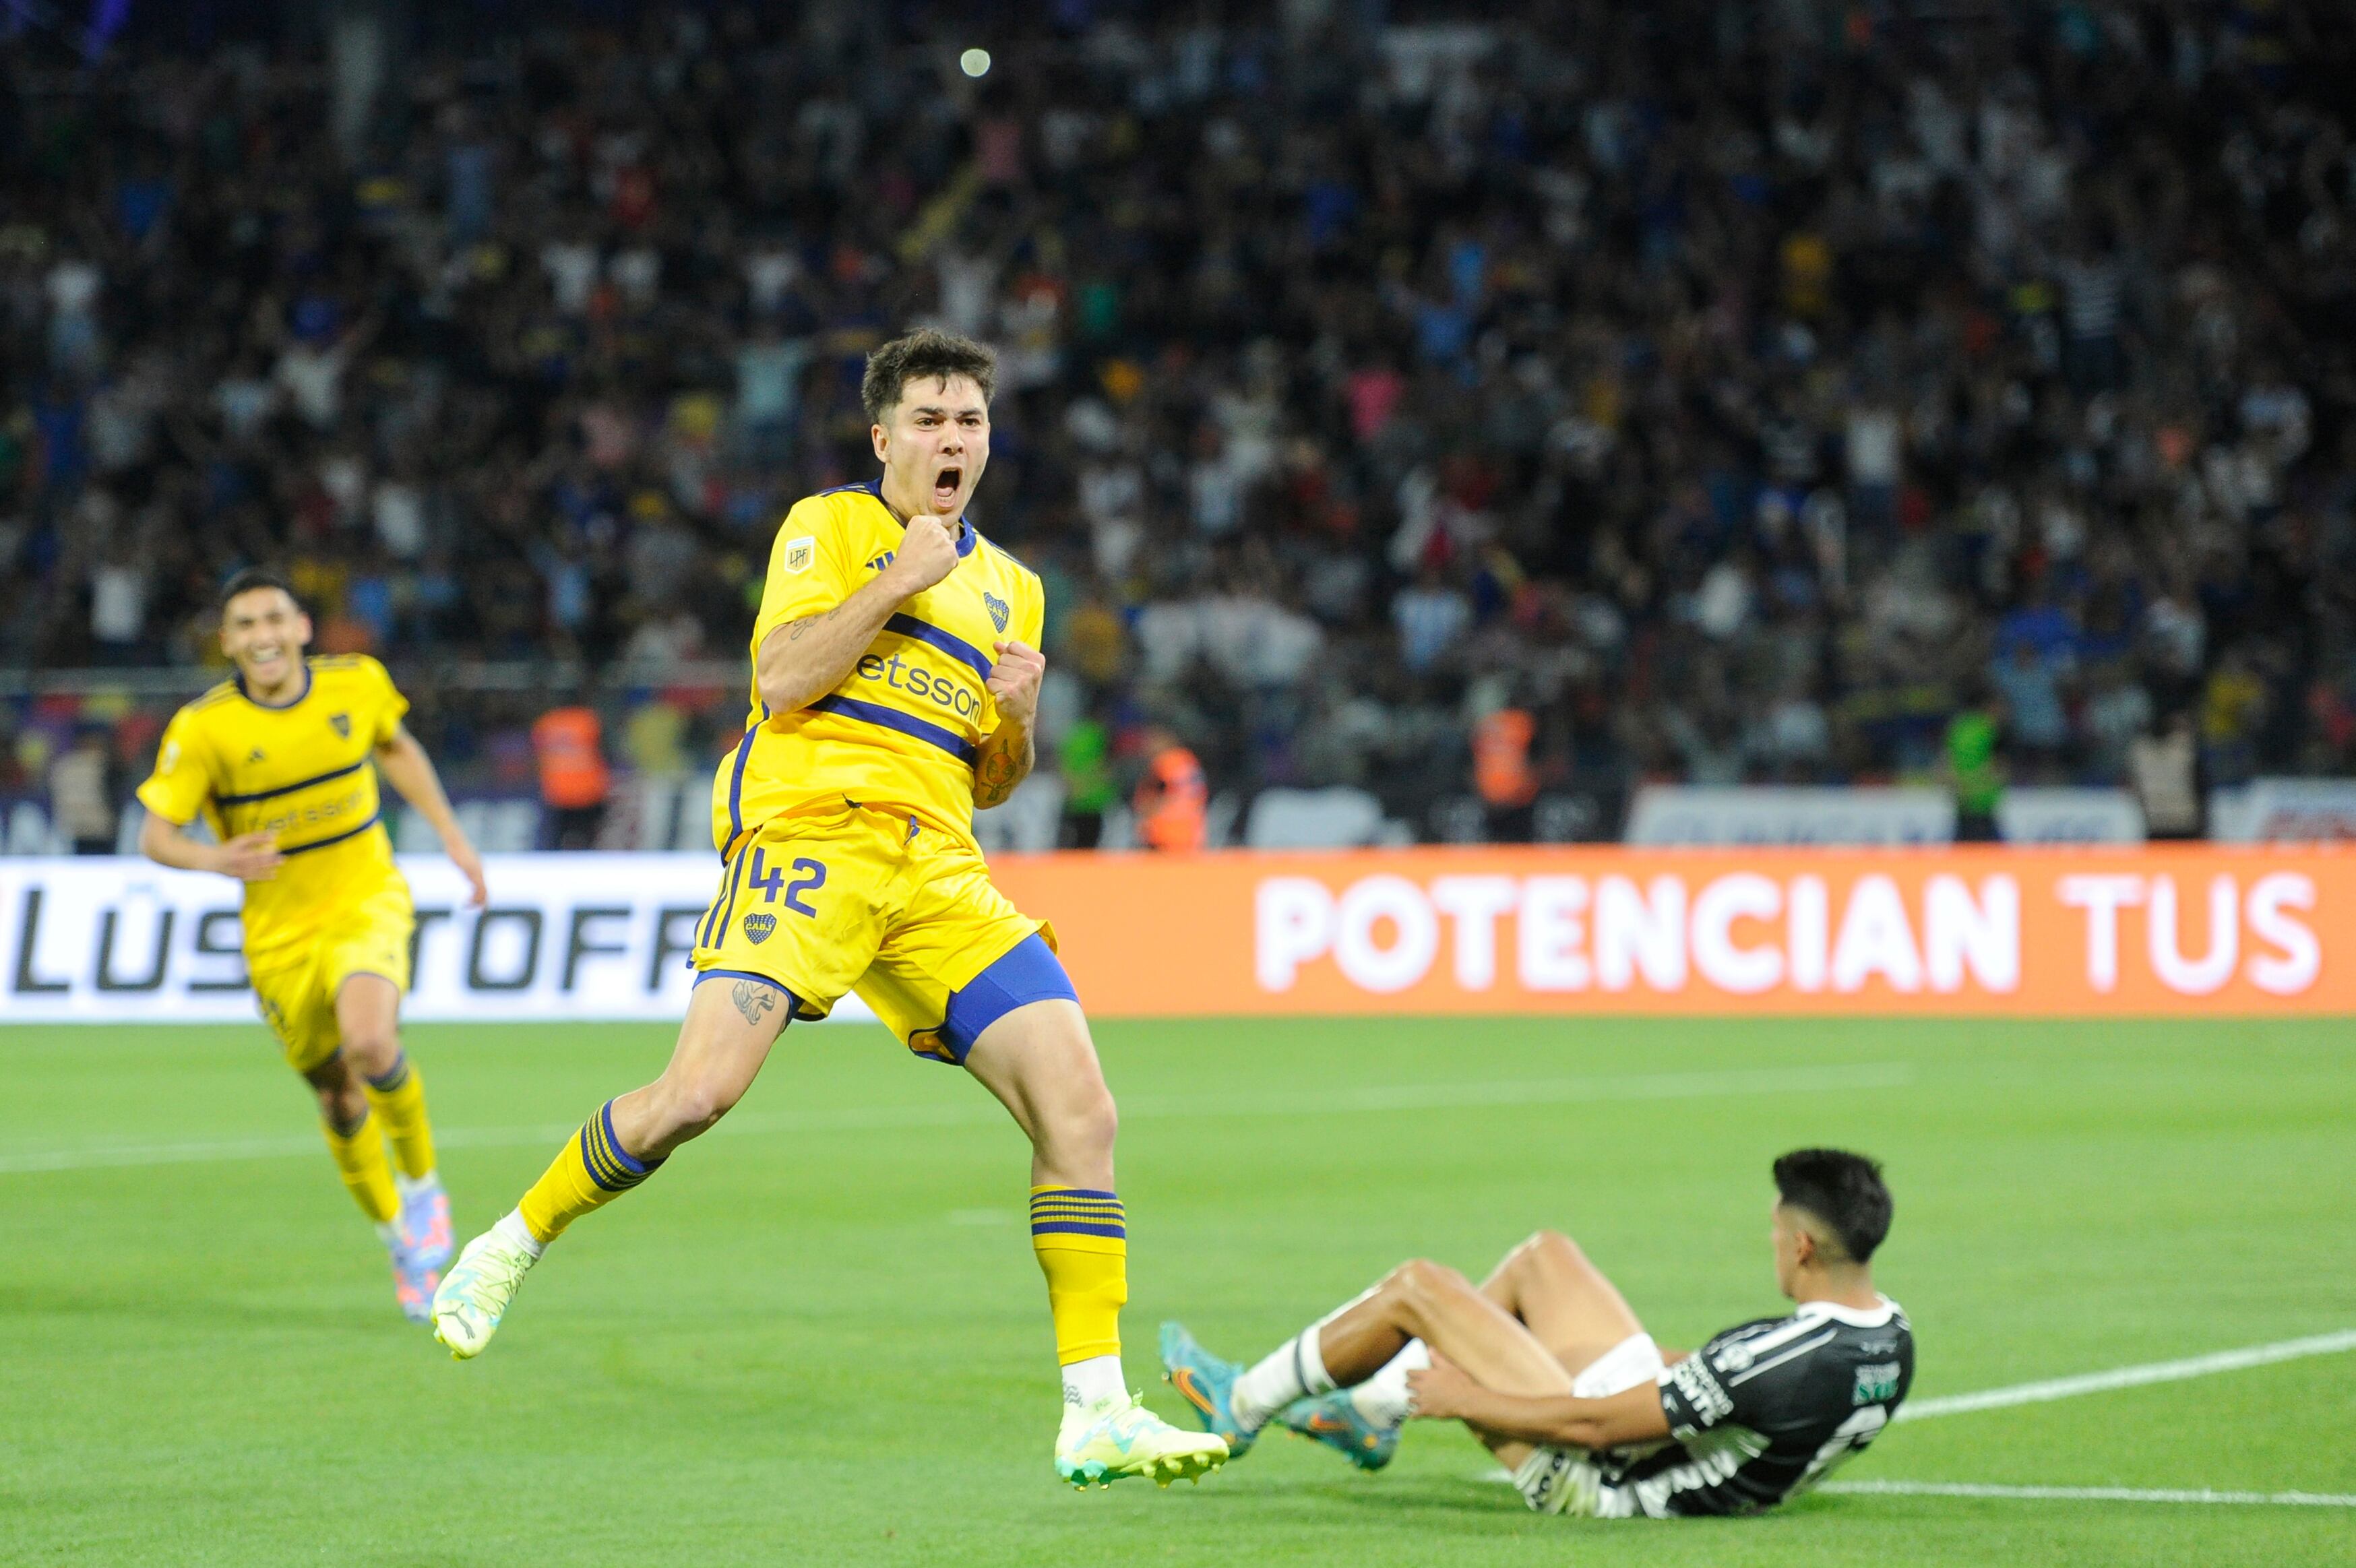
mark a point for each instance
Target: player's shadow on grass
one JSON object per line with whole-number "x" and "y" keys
{"x": 1428, "y": 1494}
{"x": 1501, "y": 1505}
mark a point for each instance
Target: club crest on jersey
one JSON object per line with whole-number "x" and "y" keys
{"x": 342, "y": 724}
{"x": 997, "y": 611}
{"x": 757, "y": 927}
{"x": 800, "y": 552}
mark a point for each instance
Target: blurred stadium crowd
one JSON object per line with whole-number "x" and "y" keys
{"x": 1489, "y": 414}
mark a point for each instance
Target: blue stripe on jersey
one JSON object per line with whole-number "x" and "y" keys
{"x": 876, "y": 714}
{"x": 333, "y": 838}
{"x": 950, "y": 643}
{"x": 736, "y": 780}
{"x": 287, "y": 789}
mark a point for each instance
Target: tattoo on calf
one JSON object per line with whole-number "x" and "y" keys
{"x": 754, "y": 1000}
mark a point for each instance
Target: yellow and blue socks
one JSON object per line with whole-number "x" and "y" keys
{"x": 399, "y": 1097}
{"x": 358, "y": 1155}
{"x": 1081, "y": 1237}
{"x": 589, "y": 1172}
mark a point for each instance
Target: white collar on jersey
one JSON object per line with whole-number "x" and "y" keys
{"x": 1871, "y": 1319}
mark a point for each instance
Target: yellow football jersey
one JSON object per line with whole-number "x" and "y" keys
{"x": 905, "y": 726}
{"x": 301, "y": 772}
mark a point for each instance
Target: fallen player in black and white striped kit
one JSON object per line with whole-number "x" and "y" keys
{"x": 1547, "y": 1366}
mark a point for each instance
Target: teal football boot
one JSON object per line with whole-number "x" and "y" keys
{"x": 1205, "y": 1383}
{"x": 1333, "y": 1419}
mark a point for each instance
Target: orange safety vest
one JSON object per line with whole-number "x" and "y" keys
{"x": 1171, "y": 802}
{"x": 572, "y": 769}
{"x": 1501, "y": 758}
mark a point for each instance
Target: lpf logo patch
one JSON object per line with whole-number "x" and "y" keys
{"x": 342, "y": 724}
{"x": 800, "y": 552}
{"x": 758, "y": 926}
{"x": 997, "y": 611}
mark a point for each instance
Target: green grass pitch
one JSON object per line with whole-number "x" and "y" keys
{"x": 818, "y": 1336}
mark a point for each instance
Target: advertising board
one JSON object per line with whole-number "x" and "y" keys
{"x": 2024, "y": 932}
{"x": 1986, "y": 930}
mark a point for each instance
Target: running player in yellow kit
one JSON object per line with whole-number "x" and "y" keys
{"x": 282, "y": 762}
{"x": 895, "y": 674}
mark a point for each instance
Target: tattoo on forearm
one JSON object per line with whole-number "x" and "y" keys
{"x": 755, "y": 1001}
{"x": 810, "y": 623}
{"x": 1001, "y": 766}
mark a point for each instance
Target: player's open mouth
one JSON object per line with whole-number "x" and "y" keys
{"x": 945, "y": 486}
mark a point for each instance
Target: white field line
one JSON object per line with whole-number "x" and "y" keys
{"x": 2084, "y": 1494}
{"x": 980, "y": 1109}
{"x": 2130, "y": 1377}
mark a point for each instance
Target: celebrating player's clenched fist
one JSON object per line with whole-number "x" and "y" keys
{"x": 1014, "y": 681}
{"x": 927, "y": 553}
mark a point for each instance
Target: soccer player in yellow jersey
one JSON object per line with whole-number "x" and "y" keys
{"x": 895, "y": 674}
{"x": 282, "y": 762}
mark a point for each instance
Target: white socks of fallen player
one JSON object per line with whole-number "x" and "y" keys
{"x": 1297, "y": 1368}
{"x": 1385, "y": 1399}
{"x": 1288, "y": 1373}
{"x": 1094, "y": 1382}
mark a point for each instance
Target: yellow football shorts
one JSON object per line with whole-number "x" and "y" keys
{"x": 369, "y": 935}
{"x": 860, "y": 899}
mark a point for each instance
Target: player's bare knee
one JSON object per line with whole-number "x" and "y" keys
{"x": 1552, "y": 1246}
{"x": 1075, "y": 1137}
{"x": 372, "y": 1052}
{"x": 689, "y": 1109}
{"x": 700, "y": 1112}
{"x": 1095, "y": 1121}
{"x": 1413, "y": 1292}
{"x": 1422, "y": 1278}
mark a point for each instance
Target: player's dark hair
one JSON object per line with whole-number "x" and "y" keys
{"x": 1845, "y": 1190}
{"x": 252, "y": 577}
{"x": 925, "y": 355}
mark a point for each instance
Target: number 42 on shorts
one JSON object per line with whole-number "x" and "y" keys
{"x": 808, "y": 877}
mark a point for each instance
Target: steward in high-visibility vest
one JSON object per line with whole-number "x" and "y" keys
{"x": 573, "y": 778}
{"x": 1172, "y": 801}
{"x": 1502, "y": 771}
